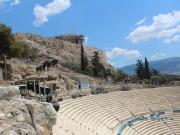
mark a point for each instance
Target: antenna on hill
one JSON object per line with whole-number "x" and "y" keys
{"x": 73, "y": 29}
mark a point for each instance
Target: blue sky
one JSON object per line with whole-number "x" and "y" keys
{"x": 125, "y": 29}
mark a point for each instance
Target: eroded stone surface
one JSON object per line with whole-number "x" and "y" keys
{"x": 9, "y": 92}
{"x": 25, "y": 117}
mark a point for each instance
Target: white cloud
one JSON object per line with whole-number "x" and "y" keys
{"x": 141, "y": 21}
{"x": 11, "y": 2}
{"x": 164, "y": 26}
{"x": 117, "y": 52}
{"x": 55, "y": 7}
{"x": 175, "y": 38}
{"x": 15, "y": 2}
{"x": 158, "y": 55}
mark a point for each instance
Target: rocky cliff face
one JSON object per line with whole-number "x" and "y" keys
{"x": 65, "y": 51}
{"x": 24, "y": 117}
{"x": 52, "y": 48}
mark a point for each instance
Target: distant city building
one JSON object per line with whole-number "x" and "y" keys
{"x": 73, "y": 38}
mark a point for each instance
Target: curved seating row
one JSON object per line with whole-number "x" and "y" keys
{"x": 105, "y": 114}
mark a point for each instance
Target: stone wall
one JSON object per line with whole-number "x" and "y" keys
{"x": 90, "y": 52}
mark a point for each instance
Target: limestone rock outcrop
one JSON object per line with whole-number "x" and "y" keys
{"x": 25, "y": 117}
{"x": 9, "y": 92}
{"x": 53, "y": 47}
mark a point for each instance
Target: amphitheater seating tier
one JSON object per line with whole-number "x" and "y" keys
{"x": 136, "y": 112}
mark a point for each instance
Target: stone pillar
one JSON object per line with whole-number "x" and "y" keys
{"x": 44, "y": 89}
{"x": 39, "y": 89}
{"x": 35, "y": 92}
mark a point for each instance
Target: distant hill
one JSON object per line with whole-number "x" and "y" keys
{"x": 165, "y": 66}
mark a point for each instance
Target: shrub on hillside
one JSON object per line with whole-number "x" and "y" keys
{"x": 74, "y": 67}
{"x": 22, "y": 50}
{"x": 15, "y": 51}
{"x": 146, "y": 81}
{"x": 119, "y": 75}
{"x": 88, "y": 71}
{"x": 33, "y": 53}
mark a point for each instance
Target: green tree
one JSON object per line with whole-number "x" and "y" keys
{"x": 108, "y": 73}
{"x": 155, "y": 76}
{"x": 102, "y": 71}
{"x": 33, "y": 53}
{"x": 154, "y": 72}
{"x": 22, "y": 50}
{"x": 139, "y": 69}
{"x": 146, "y": 69}
{"x": 120, "y": 75}
{"x": 6, "y": 40}
{"x": 96, "y": 64}
{"x": 88, "y": 71}
{"x": 16, "y": 50}
{"x": 84, "y": 60}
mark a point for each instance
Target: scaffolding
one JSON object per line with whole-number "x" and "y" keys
{"x": 36, "y": 88}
